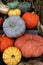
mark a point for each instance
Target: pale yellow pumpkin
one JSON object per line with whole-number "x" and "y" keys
{"x": 14, "y": 12}
{"x": 12, "y": 56}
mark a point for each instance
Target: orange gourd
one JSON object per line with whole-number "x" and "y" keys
{"x": 30, "y": 45}
{"x": 5, "y": 42}
{"x": 31, "y": 19}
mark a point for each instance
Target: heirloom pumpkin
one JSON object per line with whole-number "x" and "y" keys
{"x": 30, "y": 45}
{"x": 5, "y": 42}
{"x": 14, "y": 26}
{"x": 12, "y": 56}
{"x": 14, "y": 12}
{"x": 31, "y": 19}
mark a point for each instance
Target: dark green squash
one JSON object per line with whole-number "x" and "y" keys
{"x": 24, "y": 6}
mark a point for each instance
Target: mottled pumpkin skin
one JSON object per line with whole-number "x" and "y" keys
{"x": 14, "y": 26}
{"x": 30, "y": 45}
{"x": 31, "y": 19}
{"x": 12, "y": 56}
{"x": 5, "y": 42}
{"x": 14, "y": 12}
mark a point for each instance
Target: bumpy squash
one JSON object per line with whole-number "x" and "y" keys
{"x": 12, "y": 56}
{"x": 5, "y": 42}
{"x": 24, "y": 6}
{"x": 14, "y": 12}
{"x": 14, "y": 26}
{"x": 13, "y": 5}
{"x": 30, "y": 45}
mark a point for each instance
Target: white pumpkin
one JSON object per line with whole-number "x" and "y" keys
{"x": 14, "y": 26}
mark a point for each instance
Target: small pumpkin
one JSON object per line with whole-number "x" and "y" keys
{"x": 31, "y": 19}
{"x": 1, "y": 21}
{"x": 14, "y": 26}
{"x": 30, "y": 45}
{"x": 14, "y": 12}
{"x": 5, "y": 42}
{"x": 11, "y": 56}
{"x": 24, "y": 6}
{"x": 3, "y": 8}
{"x": 13, "y": 5}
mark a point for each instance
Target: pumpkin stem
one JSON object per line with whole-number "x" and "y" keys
{"x": 12, "y": 56}
{"x": 12, "y": 25}
{"x": 30, "y": 38}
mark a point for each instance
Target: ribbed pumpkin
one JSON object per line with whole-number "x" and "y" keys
{"x": 5, "y": 42}
{"x": 14, "y": 26}
{"x": 14, "y": 12}
{"x": 12, "y": 56}
{"x": 30, "y": 45}
{"x": 31, "y": 19}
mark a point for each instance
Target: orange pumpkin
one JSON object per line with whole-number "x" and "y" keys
{"x": 31, "y": 19}
{"x": 5, "y": 42}
{"x": 30, "y": 45}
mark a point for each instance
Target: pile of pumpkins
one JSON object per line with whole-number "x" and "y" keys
{"x": 26, "y": 45}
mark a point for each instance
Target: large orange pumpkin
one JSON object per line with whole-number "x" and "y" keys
{"x": 30, "y": 45}
{"x": 31, "y": 19}
{"x": 5, "y": 42}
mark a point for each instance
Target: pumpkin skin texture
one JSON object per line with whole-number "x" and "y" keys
{"x": 5, "y": 42}
{"x": 1, "y": 21}
{"x": 14, "y": 12}
{"x": 30, "y": 45}
{"x": 12, "y": 56}
{"x": 31, "y": 19}
{"x": 14, "y": 26}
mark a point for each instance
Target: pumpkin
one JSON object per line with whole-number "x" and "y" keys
{"x": 11, "y": 56}
{"x": 13, "y": 5}
{"x": 14, "y": 12}
{"x": 5, "y": 42}
{"x": 14, "y": 26}
{"x": 24, "y": 6}
{"x": 1, "y": 21}
{"x": 3, "y": 8}
{"x": 31, "y": 19}
{"x": 30, "y": 45}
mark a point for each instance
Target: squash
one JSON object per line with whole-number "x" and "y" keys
{"x": 14, "y": 26}
{"x": 12, "y": 56}
{"x": 14, "y": 12}
{"x": 1, "y": 21}
{"x": 3, "y": 8}
{"x": 13, "y": 5}
{"x": 5, "y": 42}
{"x": 30, "y": 45}
{"x": 24, "y": 6}
{"x": 31, "y": 19}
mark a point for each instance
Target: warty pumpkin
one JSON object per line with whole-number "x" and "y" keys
{"x": 14, "y": 12}
{"x": 14, "y": 26}
{"x": 12, "y": 56}
{"x": 30, "y": 45}
{"x": 31, "y": 19}
{"x": 5, "y": 42}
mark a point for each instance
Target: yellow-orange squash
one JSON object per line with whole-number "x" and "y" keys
{"x": 14, "y": 12}
{"x": 12, "y": 56}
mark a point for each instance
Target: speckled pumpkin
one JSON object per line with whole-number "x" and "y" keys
{"x": 14, "y": 12}
{"x": 12, "y": 56}
{"x": 14, "y": 26}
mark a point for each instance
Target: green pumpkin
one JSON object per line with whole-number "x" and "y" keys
{"x": 24, "y": 6}
{"x": 13, "y": 5}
